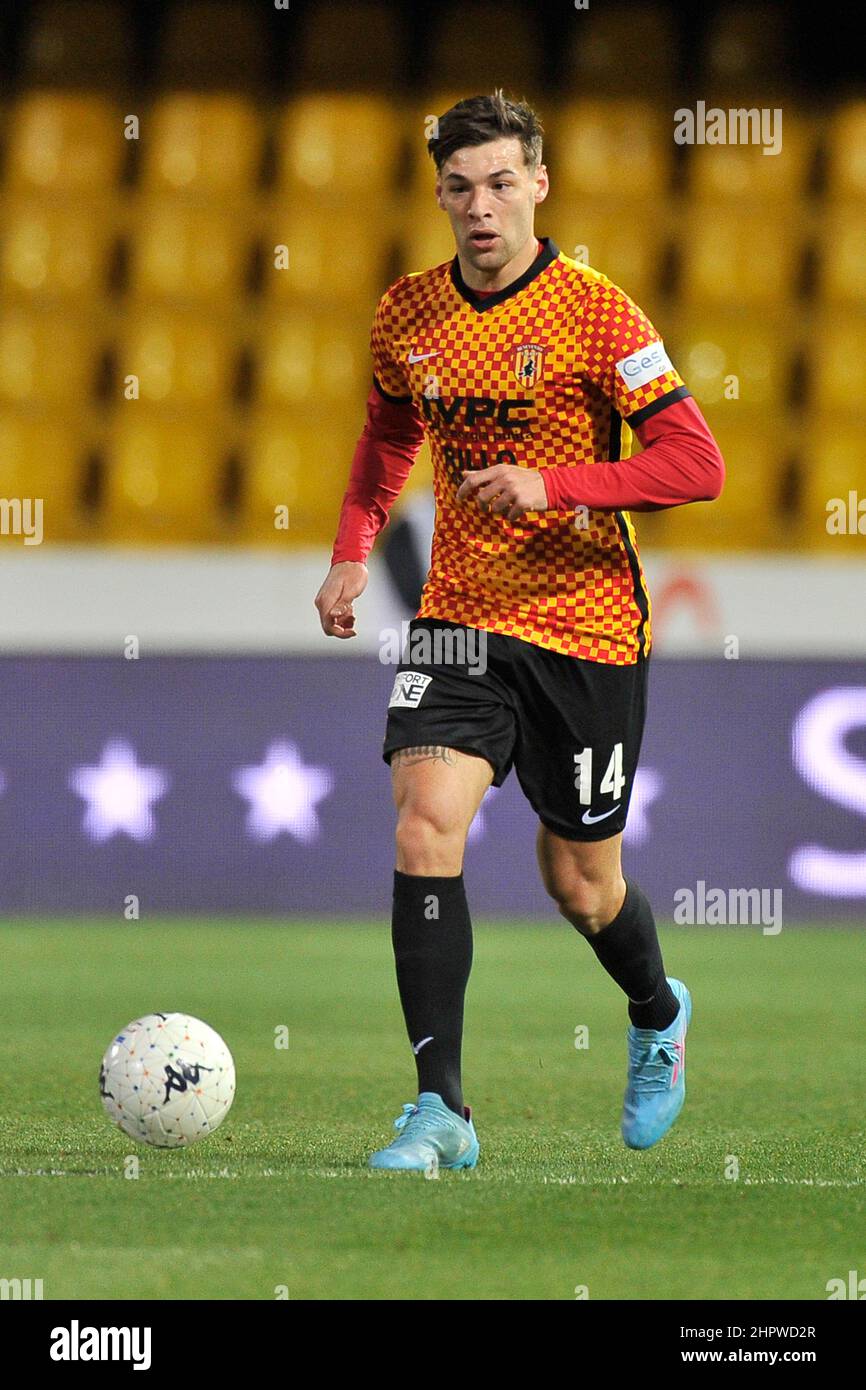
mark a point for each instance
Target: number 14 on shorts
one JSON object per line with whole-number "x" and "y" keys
{"x": 612, "y": 782}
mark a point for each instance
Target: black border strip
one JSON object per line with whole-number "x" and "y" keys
{"x": 615, "y": 439}
{"x": 490, "y": 301}
{"x": 640, "y": 595}
{"x": 395, "y": 400}
{"x": 646, "y": 412}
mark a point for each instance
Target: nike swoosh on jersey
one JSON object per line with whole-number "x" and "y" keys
{"x": 590, "y": 819}
{"x": 419, "y": 356}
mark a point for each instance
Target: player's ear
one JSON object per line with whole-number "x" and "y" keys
{"x": 439, "y": 194}
{"x": 542, "y": 183}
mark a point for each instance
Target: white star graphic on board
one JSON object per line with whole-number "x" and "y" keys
{"x": 283, "y": 794}
{"x": 646, "y": 789}
{"x": 119, "y": 793}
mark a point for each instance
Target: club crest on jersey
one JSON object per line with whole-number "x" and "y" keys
{"x": 527, "y": 363}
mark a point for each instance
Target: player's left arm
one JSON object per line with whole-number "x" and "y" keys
{"x": 681, "y": 461}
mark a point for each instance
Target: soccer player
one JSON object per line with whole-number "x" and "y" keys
{"x": 528, "y": 372}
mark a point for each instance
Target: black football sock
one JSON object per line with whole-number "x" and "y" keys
{"x": 628, "y": 948}
{"x": 432, "y": 935}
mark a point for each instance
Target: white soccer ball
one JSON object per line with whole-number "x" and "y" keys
{"x": 167, "y": 1080}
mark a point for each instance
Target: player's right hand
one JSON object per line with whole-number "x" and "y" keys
{"x": 345, "y": 582}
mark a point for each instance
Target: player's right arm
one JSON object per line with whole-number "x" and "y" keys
{"x": 388, "y": 446}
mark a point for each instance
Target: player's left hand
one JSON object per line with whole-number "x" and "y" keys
{"x": 505, "y": 489}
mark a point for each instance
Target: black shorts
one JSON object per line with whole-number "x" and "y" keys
{"x": 571, "y": 728}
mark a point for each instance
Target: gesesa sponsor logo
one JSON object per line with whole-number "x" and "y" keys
{"x": 644, "y": 366}
{"x": 473, "y": 410}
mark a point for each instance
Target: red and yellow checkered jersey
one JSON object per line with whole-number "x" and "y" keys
{"x": 541, "y": 374}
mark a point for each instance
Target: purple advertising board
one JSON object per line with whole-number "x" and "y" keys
{"x": 241, "y": 785}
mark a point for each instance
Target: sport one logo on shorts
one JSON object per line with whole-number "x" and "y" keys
{"x": 408, "y": 689}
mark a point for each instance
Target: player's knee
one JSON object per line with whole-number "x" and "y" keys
{"x": 428, "y": 842}
{"x": 584, "y": 900}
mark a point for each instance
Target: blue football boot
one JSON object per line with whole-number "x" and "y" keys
{"x": 431, "y": 1137}
{"x": 656, "y": 1076}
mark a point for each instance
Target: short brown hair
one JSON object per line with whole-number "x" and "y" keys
{"x": 477, "y": 120}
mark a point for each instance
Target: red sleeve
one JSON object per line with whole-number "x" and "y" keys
{"x": 681, "y": 462}
{"x": 385, "y": 452}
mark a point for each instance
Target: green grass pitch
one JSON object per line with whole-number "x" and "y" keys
{"x": 280, "y": 1199}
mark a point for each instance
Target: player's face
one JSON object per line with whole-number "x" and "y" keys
{"x": 490, "y": 197}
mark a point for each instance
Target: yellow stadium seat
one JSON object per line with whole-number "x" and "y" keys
{"x": 42, "y": 458}
{"x": 87, "y": 44}
{"x": 314, "y": 256}
{"x": 842, "y": 247}
{"x": 484, "y": 46}
{"x": 426, "y": 239}
{"x": 178, "y": 357}
{"x": 46, "y": 358}
{"x": 191, "y": 253}
{"x": 300, "y": 464}
{"x": 835, "y": 363}
{"x": 748, "y": 514}
{"x": 314, "y": 360}
{"x": 742, "y": 172}
{"x": 611, "y": 149}
{"x": 54, "y": 252}
{"x": 846, "y": 151}
{"x": 338, "y": 146}
{"x": 604, "y": 237}
{"x": 739, "y": 362}
{"x": 347, "y": 45}
{"x": 213, "y": 43}
{"x": 163, "y": 477}
{"x": 620, "y": 45}
{"x": 834, "y": 467}
{"x": 746, "y": 49}
{"x": 730, "y": 259}
{"x": 202, "y": 144}
{"x": 65, "y": 142}
{"x": 428, "y": 242}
